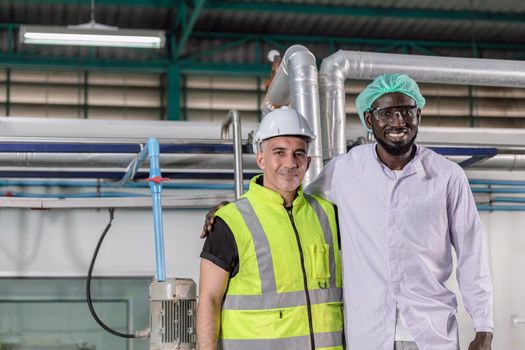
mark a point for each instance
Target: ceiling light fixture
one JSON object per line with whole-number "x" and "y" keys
{"x": 91, "y": 34}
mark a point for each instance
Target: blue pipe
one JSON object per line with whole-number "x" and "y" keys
{"x": 498, "y": 190}
{"x": 496, "y": 182}
{"x": 508, "y": 199}
{"x": 132, "y": 168}
{"x": 70, "y": 195}
{"x": 155, "y": 185}
{"x": 501, "y": 207}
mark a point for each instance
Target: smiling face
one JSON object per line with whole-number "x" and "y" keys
{"x": 396, "y": 133}
{"x": 284, "y": 162}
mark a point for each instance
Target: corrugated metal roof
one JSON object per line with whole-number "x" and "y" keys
{"x": 290, "y": 17}
{"x": 363, "y": 27}
{"x": 49, "y": 13}
{"x": 479, "y": 5}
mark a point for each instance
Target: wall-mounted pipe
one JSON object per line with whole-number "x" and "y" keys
{"x": 296, "y": 82}
{"x": 343, "y": 65}
{"x": 233, "y": 118}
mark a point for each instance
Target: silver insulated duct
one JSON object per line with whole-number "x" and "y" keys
{"x": 343, "y": 65}
{"x": 172, "y": 314}
{"x": 296, "y": 83}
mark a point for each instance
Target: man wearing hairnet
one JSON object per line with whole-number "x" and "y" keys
{"x": 402, "y": 208}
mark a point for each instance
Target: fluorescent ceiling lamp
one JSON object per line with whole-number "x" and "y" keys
{"x": 92, "y": 36}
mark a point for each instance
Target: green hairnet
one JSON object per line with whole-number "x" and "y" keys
{"x": 385, "y": 84}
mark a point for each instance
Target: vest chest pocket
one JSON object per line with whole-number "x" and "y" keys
{"x": 319, "y": 262}
{"x": 285, "y": 277}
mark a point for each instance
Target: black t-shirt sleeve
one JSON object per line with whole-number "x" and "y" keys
{"x": 220, "y": 248}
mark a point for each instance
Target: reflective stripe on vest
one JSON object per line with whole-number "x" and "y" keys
{"x": 270, "y": 298}
{"x": 276, "y": 300}
{"x": 327, "y": 230}
{"x": 322, "y": 340}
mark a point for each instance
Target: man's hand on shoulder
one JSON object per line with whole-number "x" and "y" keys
{"x": 482, "y": 341}
{"x": 210, "y": 219}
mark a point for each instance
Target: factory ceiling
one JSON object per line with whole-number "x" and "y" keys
{"x": 235, "y": 35}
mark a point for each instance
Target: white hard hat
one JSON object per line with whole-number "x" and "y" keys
{"x": 283, "y": 121}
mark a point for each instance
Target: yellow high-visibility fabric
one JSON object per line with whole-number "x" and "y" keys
{"x": 282, "y": 322}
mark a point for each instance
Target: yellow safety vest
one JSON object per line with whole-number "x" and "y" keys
{"x": 287, "y": 293}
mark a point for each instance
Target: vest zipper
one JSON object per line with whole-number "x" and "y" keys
{"x": 305, "y": 281}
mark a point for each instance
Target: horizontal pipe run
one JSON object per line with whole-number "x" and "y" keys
{"x": 508, "y": 199}
{"x": 71, "y": 195}
{"x": 173, "y": 202}
{"x": 116, "y": 175}
{"x": 501, "y": 208}
{"x": 104, "y": 184}
{"x": 190, "y": 202}
{"x": 496, "y": 182}
{"x": 498, "y": 190}
{"x": 18, "y": 129}
{"x": 36, "y": 157}
{"x": 60, "y": 147}
{"x": 183, "y": 166}
{"x": 218, "y": 187}
{"x": 121, "y": 160}
{"x": 122, "y": 130}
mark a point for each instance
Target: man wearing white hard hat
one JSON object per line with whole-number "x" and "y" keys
{"x": 270, "y": 275}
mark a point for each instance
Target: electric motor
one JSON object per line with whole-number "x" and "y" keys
{"x": 172, "y": 314}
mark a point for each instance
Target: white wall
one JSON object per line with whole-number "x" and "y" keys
{"x": 60, "y": 243}
{"x": 505, "y": 238}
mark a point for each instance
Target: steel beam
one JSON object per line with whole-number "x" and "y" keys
{"x": 188, "y": 28}
{"x": 173, "y": 92}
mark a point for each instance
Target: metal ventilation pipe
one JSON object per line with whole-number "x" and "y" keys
{"x": 343, "y": 65}
{"x": 296, "y": 83}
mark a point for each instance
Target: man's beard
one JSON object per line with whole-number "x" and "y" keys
{"x": 396, "y": 150}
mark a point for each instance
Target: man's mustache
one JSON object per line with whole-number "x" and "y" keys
{"x": 288, "y": 171}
